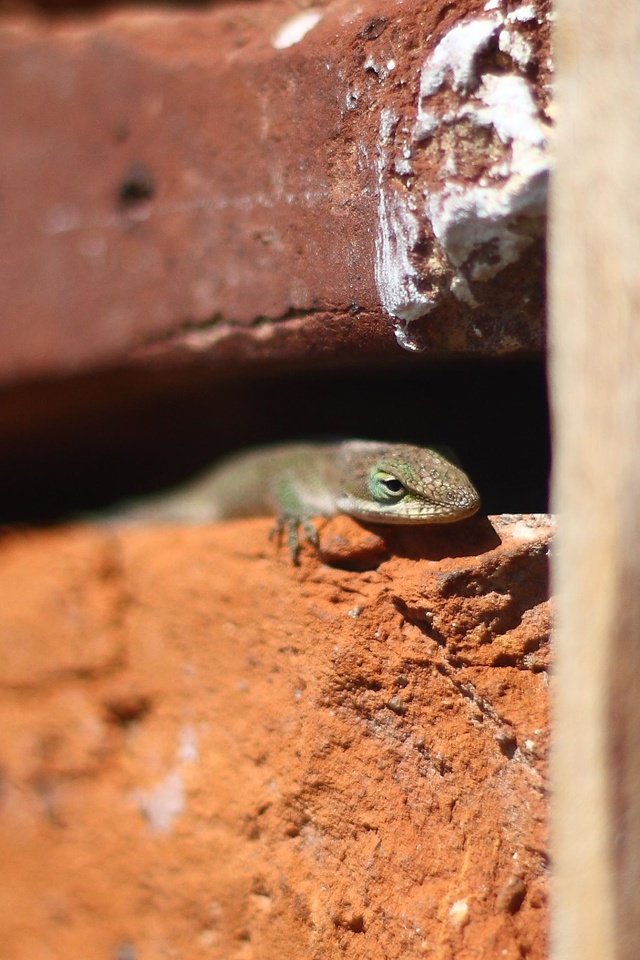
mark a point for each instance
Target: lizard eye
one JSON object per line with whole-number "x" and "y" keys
{"x": 384, "y": 486}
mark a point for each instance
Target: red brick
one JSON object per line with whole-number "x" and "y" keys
{"x": 278, "y": 762}
{"x": 175, "y": 185}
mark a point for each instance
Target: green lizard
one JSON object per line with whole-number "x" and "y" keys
{"x": 370, "y": 481}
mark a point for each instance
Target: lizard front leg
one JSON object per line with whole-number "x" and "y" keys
{"x": 293, "y": 513}
{"x": 290, "y": 525}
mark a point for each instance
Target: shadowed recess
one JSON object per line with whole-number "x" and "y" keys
{"x": 85, "y": 443}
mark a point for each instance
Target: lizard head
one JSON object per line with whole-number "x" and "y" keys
{"x": 400, "y": 483}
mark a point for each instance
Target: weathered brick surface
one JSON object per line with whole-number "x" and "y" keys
{"x": 187, "y": 184}
{"x": 208, "y": 753}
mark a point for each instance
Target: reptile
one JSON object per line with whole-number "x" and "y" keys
{"x": 386, "y": 483}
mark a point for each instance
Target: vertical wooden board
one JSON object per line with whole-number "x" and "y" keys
{"x": 595, "y": 379}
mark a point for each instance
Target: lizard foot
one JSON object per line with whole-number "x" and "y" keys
{"x": 291, "y": 527}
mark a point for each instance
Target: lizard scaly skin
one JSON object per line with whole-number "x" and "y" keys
{"x": 371, "y": 481}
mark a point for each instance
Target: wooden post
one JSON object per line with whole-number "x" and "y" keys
{"x": 595, "y": 387}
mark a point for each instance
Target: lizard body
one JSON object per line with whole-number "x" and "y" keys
{"x": 371, "y": 481}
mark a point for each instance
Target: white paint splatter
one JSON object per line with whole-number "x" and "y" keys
{"x": 518, "y": 525}
{"x": 381, "y": 70}
{"x": 163, "y": 803}
{"x": 456, "y": 54}
{"x": 188, "y": 751}
{"x": 530, "y": 527}
{"x": 396, "y": 276}
{"x": 426, "y": 124}
{"x": 516, "y": 46}
{"x": 462, "y": 291}
{"x": 523, "y": 14}
{"x": 60, "y": 219}
{"x": 292, "y": 31}
{"x": 467, "y": 217}
{"x": 459, "y": 914}
{"x": 511, "y": 110}
{"x": 481, "y": 225}
{"x": 351, "y": 98}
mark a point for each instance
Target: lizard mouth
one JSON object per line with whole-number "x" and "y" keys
{"x": 419, "y": 513}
